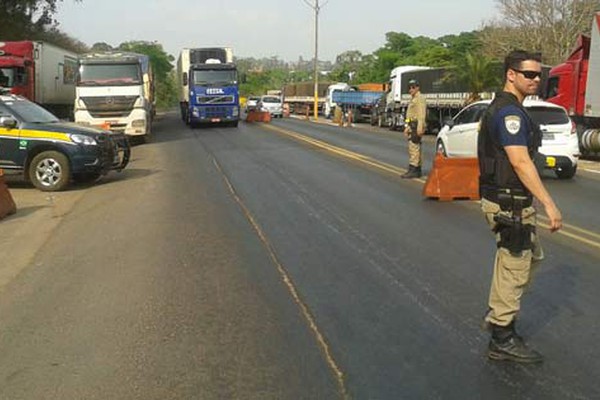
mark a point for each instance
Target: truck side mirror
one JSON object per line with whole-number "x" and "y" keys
{"x": 185, "y": 79}
{"x": 8, "y": 122}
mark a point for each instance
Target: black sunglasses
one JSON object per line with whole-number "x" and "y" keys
{"x": 529, "y": 74}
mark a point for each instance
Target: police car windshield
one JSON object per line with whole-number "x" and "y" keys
{"x": 30, "y": 112}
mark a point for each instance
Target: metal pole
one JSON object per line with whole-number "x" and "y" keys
{"x": 316, "y": 93}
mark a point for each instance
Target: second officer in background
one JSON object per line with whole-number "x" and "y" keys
{"x": 414, "y": 129}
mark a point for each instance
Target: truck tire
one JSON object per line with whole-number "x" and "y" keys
{"x": 565, "y": 172}
{"x": 50, "y": 171}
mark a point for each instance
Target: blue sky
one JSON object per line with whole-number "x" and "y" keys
{"x": 265, "y": 28}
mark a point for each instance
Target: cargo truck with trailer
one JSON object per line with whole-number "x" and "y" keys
{"x": 40, "y": 72}
{"x": 300, "y": 96}
{"x": 208, "y": 86}
{"x": 445, "y": 96}
{"x": 115, "y": 90}
{"x": 575, "y": 85}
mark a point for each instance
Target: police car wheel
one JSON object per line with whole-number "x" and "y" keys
{"x": 50, "y": 171}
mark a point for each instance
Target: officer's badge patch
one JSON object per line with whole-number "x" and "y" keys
{"x": 512, "y": 124}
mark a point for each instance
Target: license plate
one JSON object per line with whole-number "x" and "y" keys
{"x": 215, "y": 120}
{"x": 551, "y": 162}
{"x": 548, "y": 136}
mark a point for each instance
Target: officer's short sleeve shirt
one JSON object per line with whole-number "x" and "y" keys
{"x": 511, "y": 126}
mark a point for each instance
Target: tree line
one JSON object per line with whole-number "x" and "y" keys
{"x": 548, "y": 26}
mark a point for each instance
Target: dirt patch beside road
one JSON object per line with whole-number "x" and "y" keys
{"x": 23, "y": 234}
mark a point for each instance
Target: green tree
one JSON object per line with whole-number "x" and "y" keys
{"x": 166, "y": 91}
{"x": 549, "y": 26}
{"x": 22, "y": 19}
{"x": 479, "y": 73}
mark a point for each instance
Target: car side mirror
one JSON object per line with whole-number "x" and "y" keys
{"x": 449, "y": 122}
{"x": 8, "y": 122}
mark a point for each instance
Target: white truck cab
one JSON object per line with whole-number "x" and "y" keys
{"x": 329, "y": 104}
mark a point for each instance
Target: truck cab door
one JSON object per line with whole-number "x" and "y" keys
{"x": 10, "y": 137}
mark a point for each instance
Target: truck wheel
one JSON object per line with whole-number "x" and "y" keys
{"x": 566, "y": 172}
{"x": 50, "y": 171}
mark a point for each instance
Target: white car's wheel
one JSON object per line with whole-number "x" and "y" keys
{"x": 566, "y": 172}
{"x": 440, "y": 148}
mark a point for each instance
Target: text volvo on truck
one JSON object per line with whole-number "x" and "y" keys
{"x": 208, "y": 85}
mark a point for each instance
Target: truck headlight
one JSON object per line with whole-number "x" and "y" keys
{"x": 83, "y": 139}
{"x": 138, "y": 123}
{"x": 195, "y": 112}
{"x": 236, "y": 111}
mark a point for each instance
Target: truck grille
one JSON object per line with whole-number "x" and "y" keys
{"x": 109, "y": 106}
{"x": 214, "y": 99}
{"x": 215, "y": 112}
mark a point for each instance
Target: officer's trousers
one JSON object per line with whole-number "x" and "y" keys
{"x": 512, "y": 273}
{"x": 415, "y": 156}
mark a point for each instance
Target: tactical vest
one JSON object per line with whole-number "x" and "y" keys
{"x": 496, "y": 171}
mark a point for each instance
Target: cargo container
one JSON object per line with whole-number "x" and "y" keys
{"x": 575, "y": 85}
{"x": 40, "y": 72}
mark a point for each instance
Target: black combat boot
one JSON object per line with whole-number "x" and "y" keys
{"x": 507, "y": 345}
{"x": 413, "y": 172}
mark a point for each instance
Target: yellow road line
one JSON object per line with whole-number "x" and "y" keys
{"x": 398, "y": 171}
{"x": 287, "y": 280}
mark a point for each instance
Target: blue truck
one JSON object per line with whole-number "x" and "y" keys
{"x": 209, "y": 89}
{"x": 359, "y": 102}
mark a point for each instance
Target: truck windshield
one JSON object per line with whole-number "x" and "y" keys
{"x": 214, "y": 77}
{"x": 28, "y": 111}
{"x": 109, "y": 75}
{"x": 7, "y": 77}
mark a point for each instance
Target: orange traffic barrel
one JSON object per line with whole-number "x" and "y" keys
{"x": 7, "y": 204}
{"x": 452, "y": 179}
{"x": 258, "y": 116}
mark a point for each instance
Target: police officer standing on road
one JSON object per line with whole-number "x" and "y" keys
{"x": 414, "y": 129}
{"x": 508, "y": 140}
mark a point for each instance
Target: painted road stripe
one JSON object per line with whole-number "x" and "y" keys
{"x": 594, "y": 241}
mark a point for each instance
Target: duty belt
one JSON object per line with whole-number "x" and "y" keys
{"x": 491, "y": 194}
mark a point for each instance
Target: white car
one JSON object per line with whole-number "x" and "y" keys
{"x": 272, "y": 104}
{"x": 560, "y": 146}
{"x": 252, "y": 103}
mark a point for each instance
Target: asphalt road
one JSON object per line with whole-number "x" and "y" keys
{"x": 254, "y": 263}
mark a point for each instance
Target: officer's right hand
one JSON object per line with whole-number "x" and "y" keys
{"x": 555, "y": 217}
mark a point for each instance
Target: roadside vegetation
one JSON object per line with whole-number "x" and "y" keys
{"x": 548, "y": 26}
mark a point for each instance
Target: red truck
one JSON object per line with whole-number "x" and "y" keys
{"x": 575, "y": 85}
{"x": 41, "y": 72}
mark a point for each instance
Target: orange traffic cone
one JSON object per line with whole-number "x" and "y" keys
{"x": 453, "y": 178}
{"x": 7, "y": 204}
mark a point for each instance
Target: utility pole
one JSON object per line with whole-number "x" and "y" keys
{"x": 317, "y": 8}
